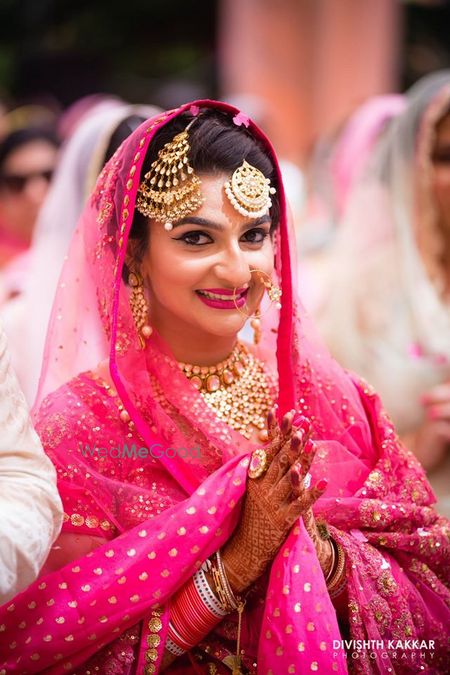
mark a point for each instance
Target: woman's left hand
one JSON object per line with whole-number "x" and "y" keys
{"x": 300, "y": 484}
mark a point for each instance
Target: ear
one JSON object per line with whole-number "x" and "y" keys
{"x": 131, "y": 257}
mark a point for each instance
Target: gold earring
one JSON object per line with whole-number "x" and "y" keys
{"x": 255, "y": 323}
{"x": 139, "y": 307}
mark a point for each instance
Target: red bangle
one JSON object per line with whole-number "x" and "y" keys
{"x": 191, "y": 619}
{"x": 193, "y": 609}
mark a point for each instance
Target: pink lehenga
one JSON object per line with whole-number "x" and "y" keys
{"x": 153, "y": 520}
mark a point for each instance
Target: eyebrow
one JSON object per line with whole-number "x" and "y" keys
{"x": 204, "y": 222}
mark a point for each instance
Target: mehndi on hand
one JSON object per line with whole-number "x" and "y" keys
{"x": 273, "y": 502}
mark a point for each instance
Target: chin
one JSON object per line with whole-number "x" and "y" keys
{"x": 226, "y": 327}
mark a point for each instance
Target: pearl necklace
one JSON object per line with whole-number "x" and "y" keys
{"x": 237, "y": 389}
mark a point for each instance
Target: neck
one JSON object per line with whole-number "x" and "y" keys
{"x": 188, "y": 344}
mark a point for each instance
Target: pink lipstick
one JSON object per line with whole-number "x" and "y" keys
{"x": 223, "y": 298}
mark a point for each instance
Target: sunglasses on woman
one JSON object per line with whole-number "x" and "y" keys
{"x": 16, "y": 183}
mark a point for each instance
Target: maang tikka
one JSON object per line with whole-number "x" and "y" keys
{"x": 170, "y": 189}
{"x": 249, "y": 191}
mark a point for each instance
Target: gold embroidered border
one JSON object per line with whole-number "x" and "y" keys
{"x": 92, "y": 522}
{"x": 153, "y": 642}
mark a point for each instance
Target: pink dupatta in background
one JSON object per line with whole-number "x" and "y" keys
{"x": 163, "y": 517}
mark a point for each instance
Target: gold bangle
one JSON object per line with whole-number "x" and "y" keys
{"x": 337, "y": 590}
{"x": 220, "y": 591}
{"x": 233, "y": 601}
{"x": 333, "y": 561}
{"x": 340, "y": 567}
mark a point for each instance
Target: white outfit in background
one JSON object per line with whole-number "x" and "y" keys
{"x": 30, "y": 506}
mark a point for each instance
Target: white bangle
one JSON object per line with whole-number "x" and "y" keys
{"x": 170, "y": 644}
{"x": 207, "y": 595}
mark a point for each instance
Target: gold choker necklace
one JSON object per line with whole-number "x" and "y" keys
{"x": 212, "y": 378}
{"x": 237, "y": 389}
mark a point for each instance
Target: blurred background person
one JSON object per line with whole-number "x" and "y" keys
{"x": 336, "y": 162}
{"x": 386, "y": 308}
{"x": 72, "y": 116}
{"x": 99, "y": 133}
{"x": 30, "y": 506}
{"x": 336, "y": 165}
{"x": 27, "y": 160}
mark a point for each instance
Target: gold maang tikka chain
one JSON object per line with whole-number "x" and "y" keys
{"x": 238, "y": 390}
{"x": 170, "y": 189}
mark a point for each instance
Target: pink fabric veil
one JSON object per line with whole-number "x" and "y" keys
{"x": 198, "y": 497}
{"x": 356, "y": 141}
{"x": 337, "y": 162}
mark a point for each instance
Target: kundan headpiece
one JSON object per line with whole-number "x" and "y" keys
{"x": 170, "y": 190}
{"x": 249, "y": 191}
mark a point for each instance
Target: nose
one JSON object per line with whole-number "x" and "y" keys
{"x": 233, "y": 268}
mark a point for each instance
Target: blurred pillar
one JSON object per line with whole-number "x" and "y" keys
{"x": 307, "y": 62}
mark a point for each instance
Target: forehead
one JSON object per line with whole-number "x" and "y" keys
{"x": 215, "y": 199}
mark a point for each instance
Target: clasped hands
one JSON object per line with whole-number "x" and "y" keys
{"x": 274, "y": 501}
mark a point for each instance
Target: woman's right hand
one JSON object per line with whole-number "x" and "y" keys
{"x": 272, "y": 502}
{"x": 432, "y": 440}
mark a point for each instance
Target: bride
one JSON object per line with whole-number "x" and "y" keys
{"x": 301, "y": 521}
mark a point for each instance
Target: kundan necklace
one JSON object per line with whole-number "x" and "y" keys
{"x": 237, "y": 389}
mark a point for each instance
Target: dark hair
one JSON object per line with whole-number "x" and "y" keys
{"x": 16, "y": 139}
{"x": 217, "y": 145}
{"x": 124, "y": 129}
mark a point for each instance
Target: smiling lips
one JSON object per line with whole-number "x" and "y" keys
{"x": 223, "y": 298}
